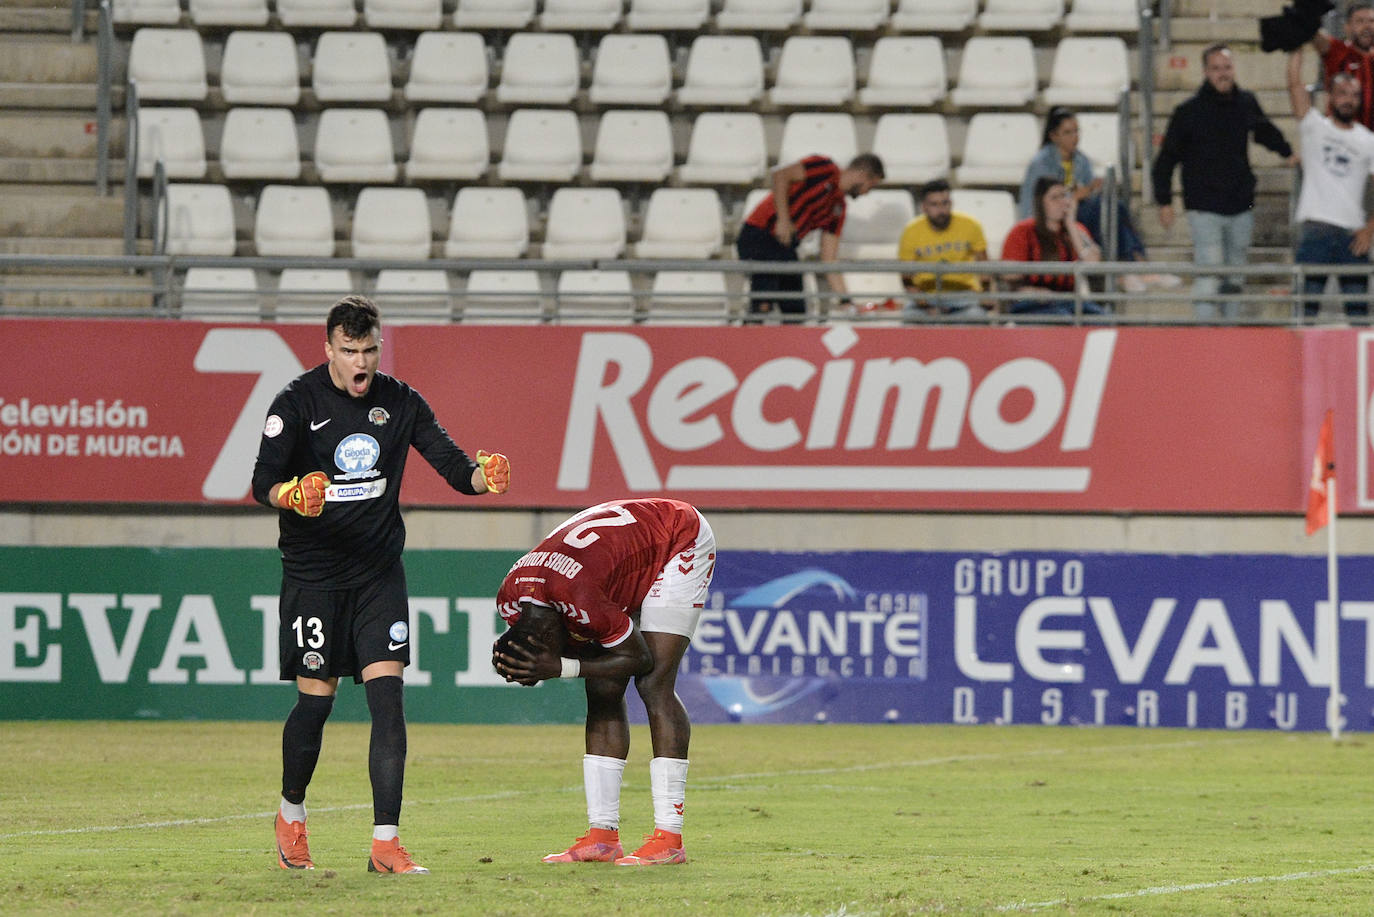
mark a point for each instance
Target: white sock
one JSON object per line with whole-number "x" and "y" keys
{"x": 292, "y": 811}
{"x": 601, "y": 778}
{"x": 384, "y": 832}
{"x": 668, "y": 780}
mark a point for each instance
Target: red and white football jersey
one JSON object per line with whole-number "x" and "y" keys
{"x": 597, "y": 567}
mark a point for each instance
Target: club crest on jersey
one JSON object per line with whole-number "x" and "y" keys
{"x": 314, "y": 661}
{"x": 272, "y": 427}
{"x": 356, "y": 456}
{"x": 378, "y": 416}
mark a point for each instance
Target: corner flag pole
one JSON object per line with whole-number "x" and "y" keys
{"x": 1333, "y": 710}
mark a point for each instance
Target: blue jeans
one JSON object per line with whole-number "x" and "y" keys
{"x": 1323, "y": 243}
{"x": 1129, "y": 246}
{"x": 1053, "y": 307}
{"x": 1219, "y": 239}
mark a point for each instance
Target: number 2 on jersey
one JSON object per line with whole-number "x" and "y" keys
{"x": 316, "y": 627}
{"x": 580, "y": 535}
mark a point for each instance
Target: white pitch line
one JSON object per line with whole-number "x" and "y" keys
{"x": 724, "y": 779}
{"x": 1191, "y": 887}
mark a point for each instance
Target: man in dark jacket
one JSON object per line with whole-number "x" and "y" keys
{"x": 1208, "y": 134}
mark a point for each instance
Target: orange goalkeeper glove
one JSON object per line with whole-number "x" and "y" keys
{"x": 306, "y": 497}
{"x": 495, "y": 470}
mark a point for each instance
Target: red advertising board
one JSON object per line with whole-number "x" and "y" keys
{"x": 837, "y": 417}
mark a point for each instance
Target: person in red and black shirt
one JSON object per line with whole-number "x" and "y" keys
{"x": 1052, "y": 234}
{"x": 815, "y": 189}
{"x": 1353, "y": 56}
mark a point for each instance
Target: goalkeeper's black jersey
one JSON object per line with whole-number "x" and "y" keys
{"x": 362, "y": 444}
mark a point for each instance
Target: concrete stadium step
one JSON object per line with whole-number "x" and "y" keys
{"x": 111, "y": 291}
{"x": 57, "y": 134}
{"x": 1180, "y": 67}
{"x": 59, "y": 211}
{"x": 39, "y": 60}
{"x": 54, "y": 19}
{"x": 46, "y": 245}
{"x": 1206, "y": 9}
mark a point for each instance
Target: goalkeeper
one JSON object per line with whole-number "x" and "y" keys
{"x": 615, "y": 593}
{"x": 332, "y": 454}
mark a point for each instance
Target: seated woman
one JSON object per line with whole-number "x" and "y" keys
{"x": 1060, "y": 158}
{"x": 1051, "y": 234}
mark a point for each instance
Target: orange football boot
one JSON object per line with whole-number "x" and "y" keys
{"x": 292, "y": 850}
{"x": 390, "y": 856}
{"x": 598, "y": 845}
{"x": 662, "y": 848}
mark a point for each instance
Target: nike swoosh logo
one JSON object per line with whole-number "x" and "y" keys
{"x": 316, "y": 426}
{"x": 394, "y": 646}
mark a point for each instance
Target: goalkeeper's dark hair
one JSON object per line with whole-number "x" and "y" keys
{"x": 538, "y": 622}
{"x": 357, "y": 316}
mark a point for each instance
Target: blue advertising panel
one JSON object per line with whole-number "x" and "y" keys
{"x": 1211, "y": 641}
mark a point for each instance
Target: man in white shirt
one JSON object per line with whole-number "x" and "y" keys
{"x": 1337, "y": 158}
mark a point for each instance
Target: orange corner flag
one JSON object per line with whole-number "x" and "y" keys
{"x": 1323, "y": 467}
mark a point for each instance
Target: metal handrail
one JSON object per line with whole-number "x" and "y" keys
{"x": 1147, "y": 95}
{"x": 131, "y": 153}
{"x": 161, "y": 208}
{"x": 105, "y": 65}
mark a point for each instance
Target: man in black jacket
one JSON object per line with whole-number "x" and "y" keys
{"x": 1208, "y": 134}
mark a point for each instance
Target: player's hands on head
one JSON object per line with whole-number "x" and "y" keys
{"x": 305, "y": 495}
{"x": 525, "y": 662}
{"x": 495, "y": 470}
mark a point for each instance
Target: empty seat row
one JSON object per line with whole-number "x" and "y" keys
{"x": 545, "y": 69}
{"x": 649, "y": 15}
{"x": 302, "y": 294}
{"x": 545, "y": 145}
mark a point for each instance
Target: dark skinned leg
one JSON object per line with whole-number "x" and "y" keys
{"x": 669, "y": 727}
{"x": 608, "y": 725}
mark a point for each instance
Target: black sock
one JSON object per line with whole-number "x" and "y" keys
{"x": 386, "y": 756}
{"x": 300, "y": 744}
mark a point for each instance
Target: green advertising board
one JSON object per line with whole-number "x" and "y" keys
{"x": 191, "y": 633}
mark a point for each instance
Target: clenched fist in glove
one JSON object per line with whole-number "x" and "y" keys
{"x": 305, "y": 496}
{"x": 495, "y": 470}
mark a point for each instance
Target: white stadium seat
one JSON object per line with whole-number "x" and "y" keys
{"x": 994, "y": 210}
{"x": 996, "y": 71}
{"x": 414, "y": 296}
{"x": 905, "y": 71}
{"x": 294, "y": 221}
{"x": 1021, "y": 15}
{"x": 723, "y": 70}
{"x": 997, "y": 149}
{"x": 667, "y": 15}
{"x": 632, "y": 146}
{"x": 260, "y": 143}
{"x": 354, "y": 145}
{"x": 168, "y": 64}
{"x": 260, "y": 68}
{"x": 305, "y": 294}
{"x": 914, "y": 148}
{"x": 595, "y": 296}
{"x": 934, "y": 15}
{"x": 580, "y": 15}
{"x": 541, "y": 144}
{"x": 221, "y": 294}
{"x": 200, "y": 220}
{"x": 689, "y": 297}
{"x": 449, "y": 144}
{"x": 503, "y": 296}
{"x": 874, "y": 222}
{"x": 828, "y": 133}
{"x": 631, "y": 70}
{"x": 1088, "y": 72}
{"x": 759, "y": 15}
{"x": 447, "y": 67}
{"x": 228, "y": 12}
{"x": 488, "y": 223}
{"x": 493, "y": 14}
{"x": 392, "y": 223}
{"x": 317, "y": 14}
{"x": 351, "y": 67}
{"x": 146, "y": 12}
{"x": 681, "y": 223}
{"x": 541, "y": 68}
{"x": 814, "y": 71}
{"x": 174, "y": 136}
{"x": 585, "y": 223}
{"x": 846, "y": 15}
{"x": 1103, "y": 16}
{"x": 1099, "y": 137}
{"x": 403, "y": 14}
{"x": 726, "y": 148}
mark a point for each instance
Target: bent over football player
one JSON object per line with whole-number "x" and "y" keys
{"x": 331, "y": 458}
{"x": 615, "y": 593}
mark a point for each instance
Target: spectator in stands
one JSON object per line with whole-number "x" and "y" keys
{"x": 1208, "y": 134}
{"x": 1060, "y": 158}
{"x": 1338, "y": 156}
{"x": 1051, "y": 234}
{"x": 1353, "y": 56}
{"x": 942, "y": 235}
{"x": 815, "y": 189}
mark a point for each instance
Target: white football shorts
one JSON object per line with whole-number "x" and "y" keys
{"x": 675, "y": 600}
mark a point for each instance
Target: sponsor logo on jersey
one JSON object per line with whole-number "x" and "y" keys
{"x": 272, "y": 427}
{"x": 357, "y": 455}
{"x": 314, "y": 661}
{"x": 378, "y": 416}
{"x": 399, "y": 631}
{"x": 367, "y": 490}
{"x": 317, "y": 425}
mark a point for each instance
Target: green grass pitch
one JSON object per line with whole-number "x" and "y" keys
{"x": 782, "y": 821}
